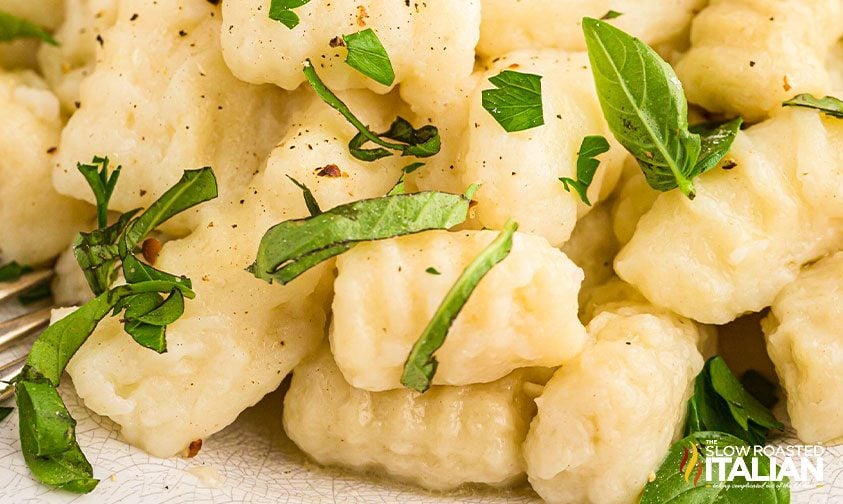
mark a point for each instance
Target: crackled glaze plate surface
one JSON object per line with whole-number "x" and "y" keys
{"x": 253, "y": 461}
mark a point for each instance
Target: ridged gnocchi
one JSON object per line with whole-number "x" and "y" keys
{"x": 441, "y": 439}
{"x": 161, "y": 101}
{"x": 240, "y": 337}
{"x": 523, "y": 313}
{"x": 748, "y": 56}
{"x": 626, "y": 394}
{"x": 805, "y": 343}
{"x": 36, "y": 223}
{"x": 508, "y": 25}
{"x": 774, "y": 204}
{"x": 520, "y": 171}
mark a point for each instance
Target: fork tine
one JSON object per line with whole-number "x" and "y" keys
{"x": 16, "y": 329}
{"x": 7, "y": 372}
{"x": 25, "y": 282}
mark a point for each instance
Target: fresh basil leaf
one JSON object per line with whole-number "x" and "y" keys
{"x": 135, "y": 271}
{"x": 516, "y": 104}
{"x": 400, "y": 187}
{"x": 591, "y": 147}
{"x": 11, "y": 272}
{"x": 98, "y": 253}
{"x": 644, "y": 105}
{"x": 367, "y": 55}
{"x": 830, "y": 105}
{"x": 281, "y": 10}
{"x": 682, "y": 477}
{"x": 13, "y": 27}
{"x": 720, "y": 403}
{"x": 611, "y": 15}
{"x": 102, "y": 184}
{"x": 716, "y": 140}
{"x": 309, "y": 198}
{"x": 5, "y": 411}
{"x": 421, "y": 364}
{"x": 147, "y": 335}
{"x": 292, "y": 247}
{"x": 48, "y": 439}
{"x": 421, "y": 142}
{"x": 195, "y": 187}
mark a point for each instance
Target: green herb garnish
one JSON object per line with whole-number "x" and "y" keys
{"x": 13, "y": 27}
{"x": 47, "y": 431}
{"x": 292, "y": 247}
{"x": 407, "y": 140}
{"x": 309, "y": 198}
{"x": 5, "y": 411}
{"x": 400, "y": 187}
{"x": 611, "y": 15}
{"x": 367, "y": 55}
{"x": 282, "y": 11}
{"x": 720, "y": 403}
{"x": 591, "y": 147}
{"x": 421, "y": 364}
{"x": 645, "y": 107}
{"x": 11, "y": 272}
{"x": 516, "y": 104}
{"x": 432, "y": 271}
{"x": 682, "y": 477}
{"x": 829, "y": 105}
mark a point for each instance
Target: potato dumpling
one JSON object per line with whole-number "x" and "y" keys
{"x": 773, "y": 204}
{"x": 538, "y": 24}
{"x": 36, "y": 222}
{"x": 161, "y": 101}
{"x": 430, "y": 44}
{"x": 805, "y": 342}
{"x": 439, "y": 440}
{"x": 523, "y": 312}
{"x": 240, "y": 337}
{"x": 748, "y": 56}
{"x": 66, "y": 65}
{"x": 626, "y": 394}
{"x": 520, "y": 171}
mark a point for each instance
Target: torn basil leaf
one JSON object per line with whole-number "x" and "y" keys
{"x": 399, "y": 187}
{"x": 516, "y": 104}
{"x": 102, "y": 184}
{"x": 367, "y": 55}
{"x": 407, "y": 140}
{"x": 587, "y": 164}
{"x": 716, "y": 140}
{"x": 433, "y": 271}
{"x": 421, "y": 364}
{"x": 292, "y": 247}
{"x": 5, "y": 411}
{"x": 97, "y": 253}
{"x": 611, "y": 15}
{"x": 720, "y": 403}
{"x": 11, "y": 272}
{"x": 13, "y": 27}
{"x": 829, "y": 105}
{"x": 683, "y": 476}
{"x": 645, "y": 107}
{"x": 282, "y": 11}
{"x": 309, "y": 198}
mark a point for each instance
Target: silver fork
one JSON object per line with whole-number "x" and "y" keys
{"x": 14, "y": 332}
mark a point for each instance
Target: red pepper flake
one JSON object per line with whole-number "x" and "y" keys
{"x": 330, "y": 170}
{"x": 787, "y": 86}
{"x": 193, "y": 448}
{"x": 362, "y": 15}
{"x": 337, "y": 42}
{"x": 151, "y": 247}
